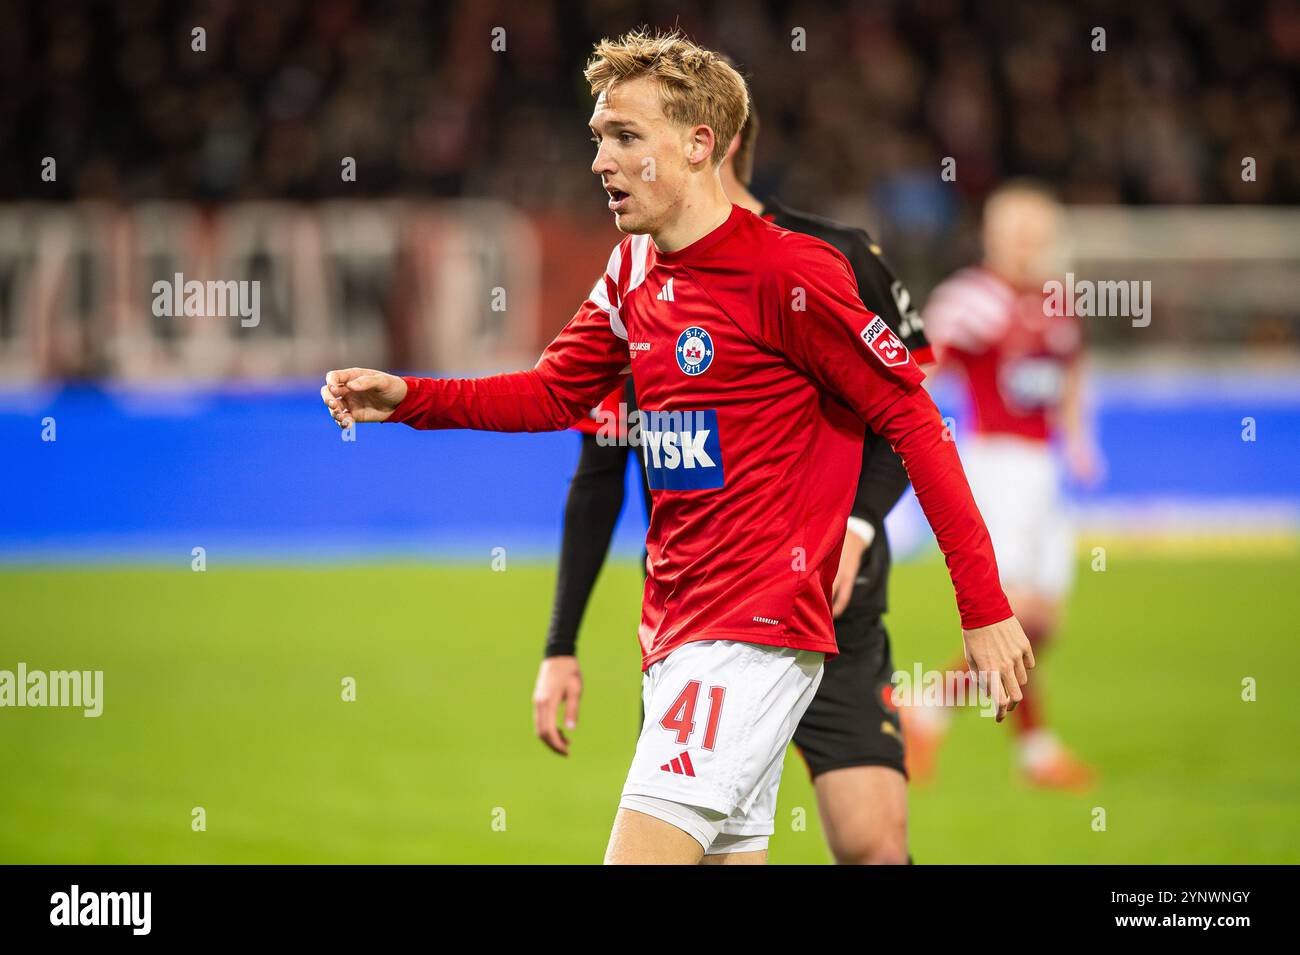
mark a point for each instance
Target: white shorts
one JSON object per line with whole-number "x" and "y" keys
{"x": 719, "y": 716}
{"x": 1017, "y": 485}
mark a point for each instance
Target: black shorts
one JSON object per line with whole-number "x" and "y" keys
{"x": 850, "y": 721}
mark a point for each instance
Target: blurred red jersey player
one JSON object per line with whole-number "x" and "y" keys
{"x": 1021, "y": 362}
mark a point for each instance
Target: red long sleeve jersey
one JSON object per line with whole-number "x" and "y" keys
{"x": 756, "y": 365}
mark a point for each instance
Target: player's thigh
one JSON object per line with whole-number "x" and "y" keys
{"x": 1056, "y": 562}
{"x": 641, "y": 839}
{"x": 864, "y": 813}
{"x": 736, "y": 858}
{"x": 1011, "y": 483}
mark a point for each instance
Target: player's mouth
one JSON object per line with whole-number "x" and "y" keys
{"x": 617, "y": 199}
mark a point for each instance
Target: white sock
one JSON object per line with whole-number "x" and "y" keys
{"x": 1037, "y": 747}
{"x": 934, "y": 718}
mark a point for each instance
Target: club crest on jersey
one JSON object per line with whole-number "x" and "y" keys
{"x": 694, "y": 350}
{"x": 880, "y": 338}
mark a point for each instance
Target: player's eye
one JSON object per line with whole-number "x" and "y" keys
{"x": 626, "y": 138}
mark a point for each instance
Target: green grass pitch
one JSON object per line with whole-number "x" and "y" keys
{"x": 223, "y": 690}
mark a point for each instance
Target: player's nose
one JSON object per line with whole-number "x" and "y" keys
{"x": 603, "y": 165}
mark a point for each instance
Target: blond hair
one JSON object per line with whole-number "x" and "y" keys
{"x": 697, "y": 87}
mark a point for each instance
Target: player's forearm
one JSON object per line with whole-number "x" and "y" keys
{"x": 590, "y": 515}
{"x": 520, "y": 401}
{"x": 1072, "y": 416}
{"x": 914, "y": 429}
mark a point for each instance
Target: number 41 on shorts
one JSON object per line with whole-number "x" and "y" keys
{"x": 679, "y": 718}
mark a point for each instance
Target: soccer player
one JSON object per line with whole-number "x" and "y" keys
{"x": 755, "y": 366}
{"x": 1022, "y": 369}
{"x": 850, "y": 736}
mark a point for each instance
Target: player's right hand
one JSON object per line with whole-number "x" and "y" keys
{"x": 361, "y": 394}
{"x": 555, "y": 698}
{"x": 1084, "y": 461}
{"x": 1000, "y": 657}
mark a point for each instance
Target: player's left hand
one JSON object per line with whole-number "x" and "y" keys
{"x": 1000, "y": 657}
{"x": 850, "y": 563}
{"x": 556, "y": 697}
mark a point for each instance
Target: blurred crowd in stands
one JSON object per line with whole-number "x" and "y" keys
{"x": 863, "y": 106}
{"x": 880, "y": 94}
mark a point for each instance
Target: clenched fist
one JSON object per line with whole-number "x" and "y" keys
{"x": 361, "y": 394}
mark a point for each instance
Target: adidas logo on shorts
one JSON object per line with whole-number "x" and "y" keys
{"x": 680, "y": 766}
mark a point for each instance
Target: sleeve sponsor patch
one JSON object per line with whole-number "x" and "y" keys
{"x": 880, "y": 338}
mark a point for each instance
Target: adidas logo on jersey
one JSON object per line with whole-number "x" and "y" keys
{"x": 679, "y": 765}
{"x": 666, "y": 293}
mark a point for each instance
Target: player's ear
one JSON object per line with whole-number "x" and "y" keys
{"x": 699, "y": 148}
